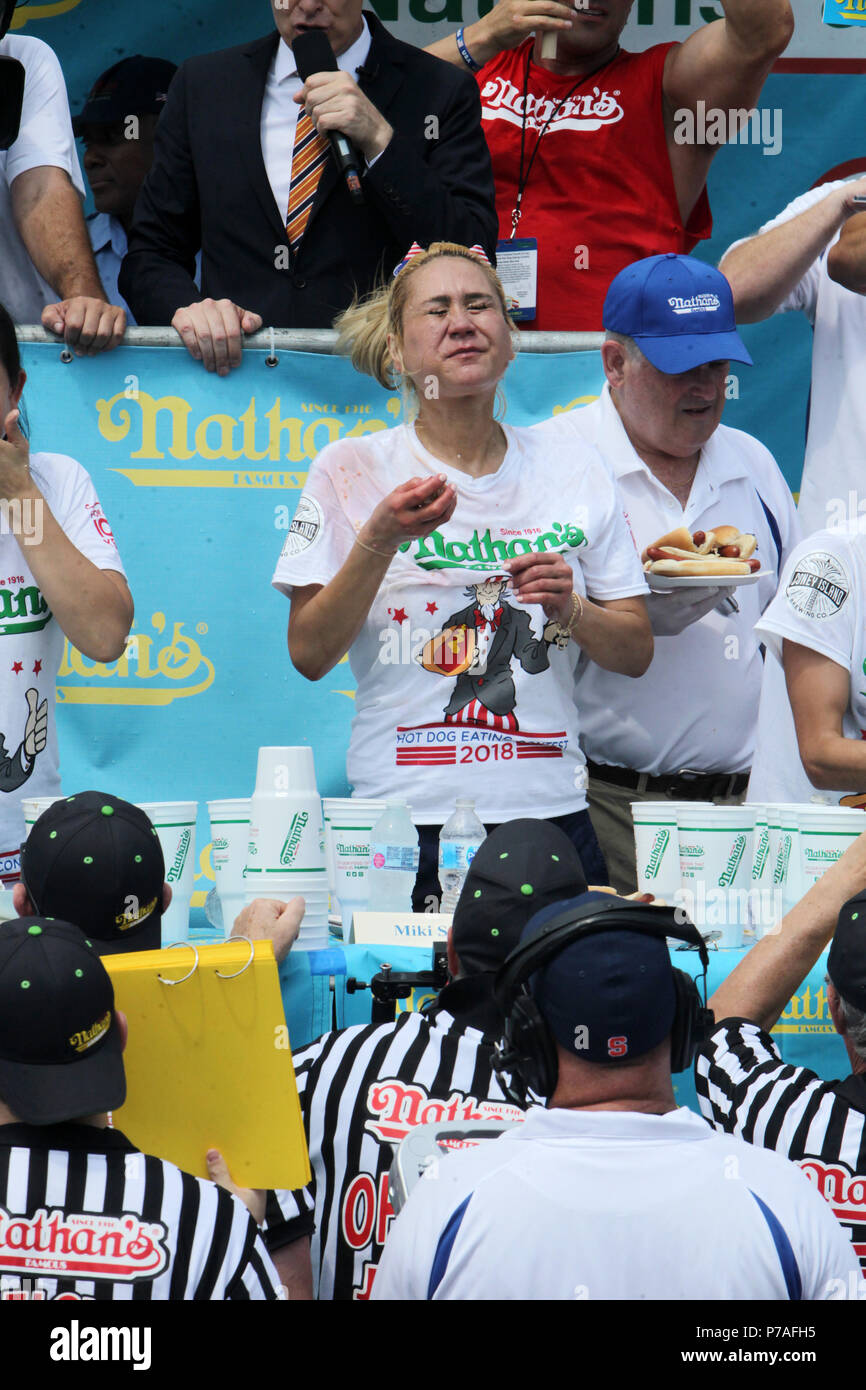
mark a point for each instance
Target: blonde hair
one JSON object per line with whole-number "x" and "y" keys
{"x": 363, "y": 328}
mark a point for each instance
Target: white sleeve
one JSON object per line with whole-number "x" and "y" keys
{"x": 68, "y": 489}
{"x": 829, "y": 1269}
{"x": 45, "y": 135}
{"x": 610, "y": 562}
{"x": 804, "y": 295}
{"x": 814, "y": 605}
{"x": 320, "y": 536}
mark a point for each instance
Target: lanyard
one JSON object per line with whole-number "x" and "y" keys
{"x": 523, "y": 179}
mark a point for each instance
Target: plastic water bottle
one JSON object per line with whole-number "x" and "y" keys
{"x": 393, "y": 860}
{"x": 459, "y": 839}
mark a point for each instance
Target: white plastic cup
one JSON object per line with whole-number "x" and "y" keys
{"x": 313, "y": 934}
{"x": 657, "y": 847}
{"x": 230, "y": 835}
{"x": 348, "y": 827}
{"x": 174, "y": 822}
{"x": 787, "y": 870}
{"x": 716, "y": 852}
{"x": 286, "y": 835}
{"x": 825, "y": 834}
{"x": 287, "y": 770}
{"x": 33, "y": 806}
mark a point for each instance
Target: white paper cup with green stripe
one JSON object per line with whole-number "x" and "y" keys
{"x": 174, "y": 822}
{"x": 716, "y": 853}
{"x": 825, "y": 834}
{"x": 348, "y": 827}
{"x": 657, "y": 848}
{"x": 33, "y": 806}
{"x": 230, "y": 834}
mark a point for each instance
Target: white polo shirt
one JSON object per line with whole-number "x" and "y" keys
{"x": 576, "y": 1204}
{"x": 820, "y": 605}
{"x": 710, "y": 674}
{"x": 833, "y": 465}
{"x": 44, "y": 138}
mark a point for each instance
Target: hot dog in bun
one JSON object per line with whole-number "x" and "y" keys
{"x": 722, "y": 551}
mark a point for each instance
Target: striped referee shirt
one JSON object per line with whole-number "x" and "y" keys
{"x": 85, "y": 1215}
{"x": 745, "y": 1088}
{"x": 362, "y": 1090}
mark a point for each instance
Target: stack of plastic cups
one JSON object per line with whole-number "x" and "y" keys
{"x": 825, "y": 834}
{"x": 787, "y": 871}
{"x": 716, "y": 852}
{"x": 763, "y": 911}
{"x": 286, "y": 846}
{"x": 174, "y": 822}
{"x": 230, "y": 835}
{"x": 348, "y": 824}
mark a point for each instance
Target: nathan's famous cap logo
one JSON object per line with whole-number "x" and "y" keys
{"x": 131, "y": 916}
{"x": 293, "y": 839}
{"x": 88, "y": 1036}
{"x": 698, "y": 304}
{"x": 660, "y": 844}
{"x": 176, "y": 869}
{"x": 734, "y": 859}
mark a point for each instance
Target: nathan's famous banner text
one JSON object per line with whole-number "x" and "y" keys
{"x": 199, "y": 477}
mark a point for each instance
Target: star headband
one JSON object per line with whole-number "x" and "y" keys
{"x": 416, "y": 250}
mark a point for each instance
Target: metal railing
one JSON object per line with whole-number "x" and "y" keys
{"x": 315, "y": 339}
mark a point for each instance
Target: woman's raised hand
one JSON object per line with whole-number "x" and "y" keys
{"x": 412, "y": 510}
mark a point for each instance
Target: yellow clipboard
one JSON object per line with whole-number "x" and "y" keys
{"x": 208, "y": 1063}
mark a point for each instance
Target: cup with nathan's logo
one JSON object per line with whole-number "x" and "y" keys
{"x": 33, "y": 806}
{"x": 657, "y": 848}
{"x": 716, "y": 855}
{"x": 174, "y": 822}
{"x": 230, "y": 834}
{"x": 825, "y": 834}
{"x": 286, "y": 846}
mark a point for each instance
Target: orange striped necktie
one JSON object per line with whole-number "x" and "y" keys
{"x": 308, "y": 160}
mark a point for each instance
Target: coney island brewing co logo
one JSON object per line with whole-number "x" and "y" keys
{"x": 819, "y": 586}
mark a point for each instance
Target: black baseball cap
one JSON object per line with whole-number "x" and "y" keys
{"x": 60, "y": 1043}
{"x": 609, "y": 996}
{"x": 133, "y": 87}
{"x": 96, "y": 860}
{"x": 846, "y": 963}
{"x": 521, "y": 866}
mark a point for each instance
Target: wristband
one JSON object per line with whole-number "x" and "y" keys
{"x": 384, "y": 554}
{"x": 464, "y": 52}
{"x": 576, "y": 613}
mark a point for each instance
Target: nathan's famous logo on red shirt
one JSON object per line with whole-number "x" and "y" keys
{"x": 83, "y": 1246}
{"x": 100, "y": 521}
{"x": 501, "y": 100}
{"x": 846, "y": 1193}
{"x": 397, "y": 1108}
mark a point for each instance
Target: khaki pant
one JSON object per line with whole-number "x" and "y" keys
{"x": 610, "y": 812}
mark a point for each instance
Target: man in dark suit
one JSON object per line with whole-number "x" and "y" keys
{"x": 222, "y": 180}
{"x": 485, "y": 694}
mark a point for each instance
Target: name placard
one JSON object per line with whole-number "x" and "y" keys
{"x": 394, "y": 929}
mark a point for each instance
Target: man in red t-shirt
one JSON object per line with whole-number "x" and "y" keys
{"x": 616, "y": 146}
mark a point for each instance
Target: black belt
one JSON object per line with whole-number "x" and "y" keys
{"x": 682, "y": 786}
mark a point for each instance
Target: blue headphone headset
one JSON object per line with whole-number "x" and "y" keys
{"x": 528, "y": 1052}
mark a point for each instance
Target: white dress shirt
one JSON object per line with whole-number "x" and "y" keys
{"x": 280, "y": 112}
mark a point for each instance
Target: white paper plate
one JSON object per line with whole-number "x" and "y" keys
{"x": 663, "y": 583}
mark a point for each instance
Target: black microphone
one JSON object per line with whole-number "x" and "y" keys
{"x": 313, "y": 53}
{"x": 11, "y": 100}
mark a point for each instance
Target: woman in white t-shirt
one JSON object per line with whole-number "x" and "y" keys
{"x": 812, "y": 718}
{"x": 465, "y": 566}
{"x": 60, "y": 575}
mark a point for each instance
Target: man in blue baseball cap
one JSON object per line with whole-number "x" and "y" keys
{"x": 609, "y": 1191}
{"x": 671, "y": 338}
